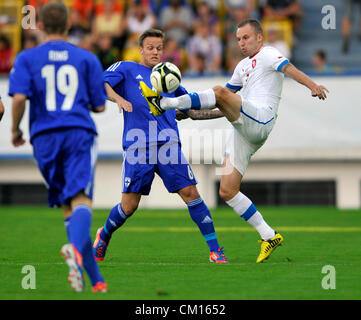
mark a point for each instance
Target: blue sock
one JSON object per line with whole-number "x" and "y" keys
{"x": 195, "y": 101}
{"x": 90, "y": 265}
{"x": 115, "y": 220}
{"x": 202, "y": 217}
{"x": 79, "y": 227}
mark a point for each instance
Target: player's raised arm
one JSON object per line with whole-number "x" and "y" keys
{"x": 116, "y": 98}
{"x": 206, "y": 114}
{"x": 18, "y": 109}
{"x": 316, "y": 90}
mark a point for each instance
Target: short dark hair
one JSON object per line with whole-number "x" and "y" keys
{"x": 156, "y": 33}
{"x": 254, "y": 23}
{"x": 54, "y": 16}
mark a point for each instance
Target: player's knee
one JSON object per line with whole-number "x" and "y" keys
{"x": 220, "y": 93}
{"x": 130, "y": 207}
{"x": 189, "y": 193}
{"x": 80, "y": 199}
{"x": 226, "y": 194}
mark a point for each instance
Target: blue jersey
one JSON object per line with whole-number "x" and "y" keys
{"x": 140, "y": 125}
{"x": 61, "y": 81}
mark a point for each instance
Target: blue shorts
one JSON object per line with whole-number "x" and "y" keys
{"x": 137, "y": 176}
{"x": 66, "y": 159}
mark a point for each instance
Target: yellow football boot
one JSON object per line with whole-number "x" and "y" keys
{"x": 153, "y": 99}
{"x": 268, "y": 246}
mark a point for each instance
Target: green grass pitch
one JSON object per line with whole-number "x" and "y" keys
{"x": 161, "y": 255}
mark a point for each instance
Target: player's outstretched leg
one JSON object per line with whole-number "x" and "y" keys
{"x": 116, "y": 219}
{"x": 195, "y": 100}
{"x": 202, "y": 217}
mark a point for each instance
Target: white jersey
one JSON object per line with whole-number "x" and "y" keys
{"x": 260, "y": 78}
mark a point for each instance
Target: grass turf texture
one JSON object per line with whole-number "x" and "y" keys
{"x": 161, "y": 255}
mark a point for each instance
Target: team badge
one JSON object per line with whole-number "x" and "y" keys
{"x": 127, "y": 181}
{"x": 254, "y": 62}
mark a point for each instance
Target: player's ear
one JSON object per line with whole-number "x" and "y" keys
{"x": 260, "y": 37}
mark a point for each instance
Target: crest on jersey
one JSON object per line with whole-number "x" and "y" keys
{"x": 127, "y": 181}
{"x": 254, "y": 62}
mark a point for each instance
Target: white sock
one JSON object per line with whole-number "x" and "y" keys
{"x": 207, "y": 99}
{"x": 246, "y": 210}
{"x": 196, "y": 100}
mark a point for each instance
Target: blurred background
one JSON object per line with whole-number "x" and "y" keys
{"x": 313, "y": 155}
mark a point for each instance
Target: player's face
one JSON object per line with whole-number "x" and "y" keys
{"x": 248, "y": 40}
{"x": 151, "y": 51}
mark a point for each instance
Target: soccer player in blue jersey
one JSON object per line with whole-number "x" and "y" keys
{"x": 62, "y": 82}
{"x": 151, "y": 145}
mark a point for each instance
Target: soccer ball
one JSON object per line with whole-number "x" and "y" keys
{"x": 165, "y": 77}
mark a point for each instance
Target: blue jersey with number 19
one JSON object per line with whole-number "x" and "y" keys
{"x": 61, "y": 81}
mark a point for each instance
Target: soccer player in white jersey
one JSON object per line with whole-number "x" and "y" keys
{"x": 252, "y": 113}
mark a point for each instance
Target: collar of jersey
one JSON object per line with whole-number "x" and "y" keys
{"x": 256, "y": 53}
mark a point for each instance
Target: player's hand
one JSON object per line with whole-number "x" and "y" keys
{"x": 124, "y": 104}
{"x": 17, "y": 138}
{"x": 179, "y": 115}
{"x": 320, "y": 92}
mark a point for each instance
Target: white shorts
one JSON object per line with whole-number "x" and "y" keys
{"x": 249, "y": 133}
